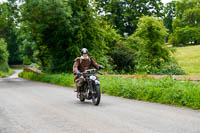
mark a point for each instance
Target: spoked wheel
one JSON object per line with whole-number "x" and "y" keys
{"x": 96, "y": 97}
{"x": 82, "y": 99}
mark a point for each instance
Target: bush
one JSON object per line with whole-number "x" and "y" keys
{"x": 152, "y": 56}
{"x": 3, "y": 56}
{"x": 123, "y": 58}
{"x": 4, "y": 74}
{"x": 170, "y": 68}
{"x": 184, "y": 36}
{"x": 152, "y": 52}
{"x": 26, "y": 60}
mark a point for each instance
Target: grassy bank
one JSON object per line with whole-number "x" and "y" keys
{"x": 4, "y": 74}
{"x": 59, "y": 79}
{"x": 189, "y": 59}
{"x": 165, "y": 91}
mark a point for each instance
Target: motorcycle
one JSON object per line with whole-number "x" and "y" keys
{"x": 91, "y": 88}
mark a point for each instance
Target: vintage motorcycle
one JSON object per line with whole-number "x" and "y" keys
{"x": 91, "y": 88}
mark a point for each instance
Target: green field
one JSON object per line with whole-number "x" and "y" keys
{"x": 189, "y": 59}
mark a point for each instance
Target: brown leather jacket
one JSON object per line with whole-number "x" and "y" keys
{"x": 82, "y": 64}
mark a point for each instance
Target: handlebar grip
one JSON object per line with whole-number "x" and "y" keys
{"x": 100, "y": 73}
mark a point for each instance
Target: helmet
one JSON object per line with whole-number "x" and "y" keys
{"x": 84, "y": 51}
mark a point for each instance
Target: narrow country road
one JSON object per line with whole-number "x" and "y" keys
{"x": 33, "y": 107}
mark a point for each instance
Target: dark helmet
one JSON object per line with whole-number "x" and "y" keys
{"x": 84, "y": 51}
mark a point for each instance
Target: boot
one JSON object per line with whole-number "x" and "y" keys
{"x": 77, "y": 89}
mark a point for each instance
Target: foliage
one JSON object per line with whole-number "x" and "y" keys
{"x": 170, "y": 68}
{"x": 47, "y": 21}
{"x": 165, "y": 91}
{"x": 145, "y": 51}
{"x": 50, "y": 33}
{"x": 149, "y": 42}
{"x": 28, "y": 46}
{"x": 59, "y": 29}
{"x": 26, "y": 60}
{"x": 187, "y": 23}
{"x": 123, "y": 15}
{"x": 9, "y": 14}
{"x": 169, "y": 12}
{"x": 189, "y": 59}
{"x": 5, "y": 74}
{"x": 3, "y": 56}
{"x": 185, "y": 35}
{"x": 123, "y": 57}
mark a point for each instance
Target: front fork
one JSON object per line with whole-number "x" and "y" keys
{"x": 92, "y": 85}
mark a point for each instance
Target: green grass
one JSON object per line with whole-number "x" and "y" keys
{"x": 164, "y": 91}
{"x": 189, "y": 59}
{"x": 59, "y": 79}
{"x": 5, "y": 74}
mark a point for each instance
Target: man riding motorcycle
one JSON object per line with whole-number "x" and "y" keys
{"x": 80, "y": 65}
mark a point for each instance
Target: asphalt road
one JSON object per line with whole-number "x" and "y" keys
{"x": 33, "y": 107}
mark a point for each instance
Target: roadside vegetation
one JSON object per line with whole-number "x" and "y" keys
{"x": 164, "y": 91}
{"x": 58, "y": 79}
{"x": 5, "y": 74}
{"x": 4, "y": 68}
{"x": 188, "y": 58}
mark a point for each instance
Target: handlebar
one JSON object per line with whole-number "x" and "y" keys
{"x": 100, "y": 73}
{"x": 91, "y": 71}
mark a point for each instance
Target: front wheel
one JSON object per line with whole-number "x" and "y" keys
{"x": 82, "y": 99}
{"x": 96, "y": 96}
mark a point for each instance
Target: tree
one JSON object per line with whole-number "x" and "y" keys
{"x": 169, "y": 12}
{"x": 3, "y": 56}
{"x": 9, "y": 14}
{"x": 48, "y": 22}
{"x": 187, "y": 23}
{"x": 149, "y": 41}
{"x": 60, "y": 29}
{"x": 124, "y": 14}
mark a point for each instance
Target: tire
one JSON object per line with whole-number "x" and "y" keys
{"x": 97, "y": 96}
{"x": 82, "y": 99}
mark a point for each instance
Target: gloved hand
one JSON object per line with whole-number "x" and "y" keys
{"x": 78, "y": 73}
{"x": 101, "y": 67}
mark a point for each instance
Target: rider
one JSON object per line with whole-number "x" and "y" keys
{"x": 80, "y": 65}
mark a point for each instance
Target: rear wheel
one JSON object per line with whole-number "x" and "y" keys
{"x": 96, "y": 97}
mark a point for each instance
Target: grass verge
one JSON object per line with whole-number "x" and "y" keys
{"x": 164, "y": 91}
{"x": 5, "y": 74}
{"x": 59, "y": 79}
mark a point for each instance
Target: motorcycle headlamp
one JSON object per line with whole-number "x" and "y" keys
{"x": 93, "y": 78}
